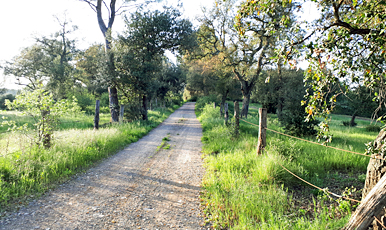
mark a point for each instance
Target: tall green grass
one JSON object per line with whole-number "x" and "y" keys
{"x": 29, "y": 169}
{"x": 246, "y": 191}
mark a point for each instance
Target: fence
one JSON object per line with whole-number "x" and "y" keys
{"x": 370, "y": 207}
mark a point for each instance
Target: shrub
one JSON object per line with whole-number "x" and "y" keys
{"x": 373, "y": 128}
{"x": 202, "y": 101}
{"x": 9, "y": 97}
{"x": 347, "y": 123}
{"x": 293, "y": 120}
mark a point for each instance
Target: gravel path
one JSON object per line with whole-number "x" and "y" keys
{"x": 138, "y": 188}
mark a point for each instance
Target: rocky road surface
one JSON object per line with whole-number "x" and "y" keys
{"x": 138, "y": 188}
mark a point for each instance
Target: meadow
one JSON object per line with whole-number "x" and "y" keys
{"x": 246, "y": 191}
{"x": 27, "y": 170}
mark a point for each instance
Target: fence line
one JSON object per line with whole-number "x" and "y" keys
{"x": 334, "y": 194}
{"x": 374, "y": 157}
{"x": 324, "y": 190}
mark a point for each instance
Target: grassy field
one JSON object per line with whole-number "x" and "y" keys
{"x": 26, "y": 169}
{"x": 246, "y": 191}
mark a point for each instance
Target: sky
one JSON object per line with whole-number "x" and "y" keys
{"x": 24, "y": 19}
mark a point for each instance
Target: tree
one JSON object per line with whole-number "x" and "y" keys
{"x": 209, "y": 76}
{"x": 282, "y": 93}
{"x": 106, "y": 29}
{"x": 346, "y": 42}
{"x": 89, "y": 64}
{"x": 49, "y": 60}
{"x": 41, "y": 106}
{"x": 357, "y": 101}
{"x": 249, "y": 51}
{"x": 140, "y": 51}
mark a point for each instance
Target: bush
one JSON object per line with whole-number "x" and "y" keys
{"x": 347, "y": 123}
{"x": 10, "y": 97}
{"x": 294, "y": 122}
{"x": 202, "y": 101}
{"x": 210, "y": 112}
{"x": 373, "y": 128}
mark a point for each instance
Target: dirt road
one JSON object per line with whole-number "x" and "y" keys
{"x": 138, "y": 188}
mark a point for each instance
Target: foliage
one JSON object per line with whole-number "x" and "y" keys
{"x": 356, "y": 101}
{"x": 245, "y": 52}
{"x": 90, "y": 65}
{"x": 49, "y": 60}
{"x": 281, "y": 92}
{"x": 139, "y": 53}
{"x": 373, "y": 128}
{"x": 40, "y": 105}
{"x": 5, "y": 97}
{"x": 203, "y": 101}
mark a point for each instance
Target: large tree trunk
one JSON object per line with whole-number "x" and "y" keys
{"x": 370, "y": 208}
{"x": 352, "y": 122}
{"x": 375, "y": 169}
{"x": 106, "y": 31}
{"x": 114, "y": 106}
{"x": 246, "y": 90}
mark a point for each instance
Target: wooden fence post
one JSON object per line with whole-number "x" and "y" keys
{"x": 96, "y": 118}
{"x": 226, "y": 113}
{"x": 121, "y": 112}
{"x": 214, "y": 105}
{"x": 262, "y": 131}
{"x": 237, "y": 121}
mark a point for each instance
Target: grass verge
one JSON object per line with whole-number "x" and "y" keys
{"x": 32, "y": 170}
{"x": 246, "y": 191}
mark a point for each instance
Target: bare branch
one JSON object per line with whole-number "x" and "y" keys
{"x": 93, "y": 6}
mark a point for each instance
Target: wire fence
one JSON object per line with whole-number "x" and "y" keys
{"x": 316, "y": 143}
{"x": 374, "y": 156}
{"x": 293, "y": 174}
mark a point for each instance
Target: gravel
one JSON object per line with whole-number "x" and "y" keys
{"x": 138, "y": 188}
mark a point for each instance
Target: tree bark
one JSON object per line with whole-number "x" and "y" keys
{"x": 106, "y": 31}
{"x": 246, "y": 90}
{"x": 144, "y": 108}
{"x": 245, "y": 107}
{"x": 226, "y": 113}
{"x": 372, "y": 206}
{"x": 237, "y": 119}
{"x": 352, "y": 121}
{"x": 376, "y": 169}
{"x": 113, "y": 101}
{"x": 96, "y": 118}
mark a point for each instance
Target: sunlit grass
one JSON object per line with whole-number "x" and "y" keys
{"x": 29, "y": 169}
{"x": 246, "y": 191}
